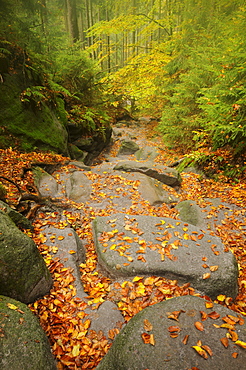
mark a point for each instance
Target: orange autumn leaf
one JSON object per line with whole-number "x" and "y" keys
{"x": 60, "y": 237}
{"x": 225, "y": 342}
{"x": 213, "y": 268}
{"x": 208, "y": 349}
{"x": 147, "y": 325}
{"x": 214, "y": 315}
{"x": 199, "y": 326}
{"x": 204, "y": 315}
{"x": 148, "y": 338}
{"x": 185, "y": 340}
{"x": 172, "y": 329}
{"x": 234, "y": 354}
{"x": 200, "y": 236}
{"x": 206, "y": 276}
{"x": 175, "y": 315}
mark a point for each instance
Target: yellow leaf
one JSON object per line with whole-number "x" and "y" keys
{"x": 76, "y": 350}
{"x": 12, "y": 306}
{"x": 241, "y": 343}
{"x": 60, "y": 237}
{"x": 206, "y": 276}
{"x": 221, "y": 297}
{"x": 200, "y": 351}
{"x": 137, "y": 278}
{"x": 186, "y": 236}
{"x": 72, "y": 251}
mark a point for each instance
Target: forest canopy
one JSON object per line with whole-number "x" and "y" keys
{"x": 182, "y": 61}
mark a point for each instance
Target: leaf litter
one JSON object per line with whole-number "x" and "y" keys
{"x": 63, "y": 316}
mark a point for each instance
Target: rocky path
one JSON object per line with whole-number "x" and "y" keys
{"x": 130, "y": 232}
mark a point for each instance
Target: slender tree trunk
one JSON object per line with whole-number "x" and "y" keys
{"x": 72, "y": 20}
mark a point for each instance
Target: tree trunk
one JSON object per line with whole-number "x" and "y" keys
{"x": 72, "y": 20}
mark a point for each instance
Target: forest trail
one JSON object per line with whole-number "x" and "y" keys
{"x": 63, "y": 314}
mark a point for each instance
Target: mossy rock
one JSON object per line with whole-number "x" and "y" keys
{"x": 23, "y": 273}
{"x": 23, "y": 343}
{"x": 16, "y": 217}
{"x": 32, "y": 126}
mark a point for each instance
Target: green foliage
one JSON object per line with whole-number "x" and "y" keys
{"x": 205, "y": 91}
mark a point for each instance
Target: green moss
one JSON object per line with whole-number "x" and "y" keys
{"x": 34, "y": 126}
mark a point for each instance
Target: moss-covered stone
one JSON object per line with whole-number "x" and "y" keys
{"x": 23, "y": 273}
{"x": 18, "y": 218}
{"x": 34, "y": 126}
{"x": 23, "y": 343}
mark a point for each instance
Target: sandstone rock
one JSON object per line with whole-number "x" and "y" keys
{"x": 129, "y": 351}
{"x": 107, "y": 317}
{"x": 16, "y": 217}
{"x": 23, "y": 273}
{"x": 128, "y": 147}
{"x": 23, "y": 343}
{"x": 170, "y": 248}
{"x": 78, "y": 187}
{"x": 45, "y": 183}
{"x": 69, "y": 250}
{"x": 164, "y": 174}
{"x": 190, "y": 212}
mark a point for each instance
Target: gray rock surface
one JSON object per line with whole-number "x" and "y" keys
{"x": 69, "y": 250}
{"x": 105, "y": 318}
{"x": 146, "y": 153}
{"x": 129, "y": 352}
{"x": 128, "y": 147}
{"x": 147, "y": 245}
{"x": 78, "y": 187}
{"x": 23, "y": 273}
{"x": 23, "y": 343}
{"x": 45, "y": 182}
{"x": 164, "y": 174}
{"x": 190, "y": 212}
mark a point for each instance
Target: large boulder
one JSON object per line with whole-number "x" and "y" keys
{"x": 171, "y": 334}
{"x": 23, "y": 343}
{"x": 148, "y": 245}
{"x": 16, "y": 217}
{"x": 27, "y": 120}
{"x": 23, "y": 273}
{"x": 164, "y": 174}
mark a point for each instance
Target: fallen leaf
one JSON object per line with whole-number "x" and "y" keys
{"x": 12, "y": 306}
{"x": 208, "y": 349}
{"x": 213, "y": 268}
{"x": 234, "y": 354}
{"x": 221, "y": 297}
{"x": 185, "y": 340}
{"x": 172, "y": 329}
{"x": 214, "y": 315}
{"x": 60, "y": 237}
{"x": 204, "y": 315}
{"x": 147, "y": 325}
{"x": 206, "y": 276}
{"x": 240, "y": 343}
{"x": 225, "y": 342}
{"x": 199, "y": 325}
{"x": 148, "y": 338}
{"x": 200, "y": 351}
